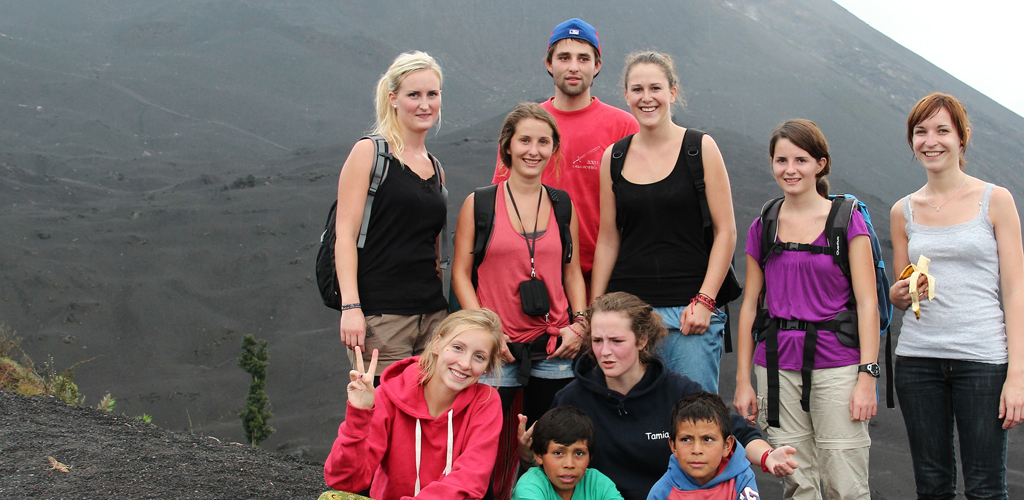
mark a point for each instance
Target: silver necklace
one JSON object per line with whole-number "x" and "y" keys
{"x": 962, "y": 184}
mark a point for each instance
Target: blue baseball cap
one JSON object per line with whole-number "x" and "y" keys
{"x": 578, "y": 29}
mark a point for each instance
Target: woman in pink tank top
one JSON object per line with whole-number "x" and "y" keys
{"x": 524, "y": 263}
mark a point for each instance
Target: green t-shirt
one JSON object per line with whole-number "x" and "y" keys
{"x": 534, "y": 485}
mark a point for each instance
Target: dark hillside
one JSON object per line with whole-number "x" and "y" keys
{"x": 166, "y": 167}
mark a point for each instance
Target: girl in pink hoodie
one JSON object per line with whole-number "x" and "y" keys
{"x": 429, "y": 431}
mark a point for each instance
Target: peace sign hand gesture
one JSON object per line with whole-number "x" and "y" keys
{"x": 360, "y": 389}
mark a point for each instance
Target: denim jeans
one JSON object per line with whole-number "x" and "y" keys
{"x": 550, "y": 369}
{"x": 698, "y": 357}
{"x": 934, "y": 395}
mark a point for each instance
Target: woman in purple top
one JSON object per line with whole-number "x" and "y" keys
{"x": 804, "y": 291}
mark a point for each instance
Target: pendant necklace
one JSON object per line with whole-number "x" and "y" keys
{"x": 962, "y": 184}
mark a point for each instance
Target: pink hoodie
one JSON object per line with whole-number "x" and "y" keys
{"x": 404, "y": 449}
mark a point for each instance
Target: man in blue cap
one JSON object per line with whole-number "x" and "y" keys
{"x": 586, "y": 124}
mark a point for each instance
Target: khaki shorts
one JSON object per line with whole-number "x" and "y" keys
{"x": 397, "y": 337}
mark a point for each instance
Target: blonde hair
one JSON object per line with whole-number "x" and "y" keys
{"x": 455, "y": 324}
{"x": 387, "y": 116}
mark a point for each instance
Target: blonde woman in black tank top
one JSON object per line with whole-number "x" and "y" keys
{"x": 391, "y": 291}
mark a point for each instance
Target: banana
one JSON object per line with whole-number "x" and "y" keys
{"x": 914, "y": 273}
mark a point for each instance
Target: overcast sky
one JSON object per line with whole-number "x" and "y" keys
{"x": 980, "y": 42}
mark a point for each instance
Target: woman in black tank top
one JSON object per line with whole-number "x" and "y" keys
{"x": 389, "y": 275}
{"x": 651, "y": 242}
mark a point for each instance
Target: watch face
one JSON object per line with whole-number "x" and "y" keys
{"x": 872, "y": 369}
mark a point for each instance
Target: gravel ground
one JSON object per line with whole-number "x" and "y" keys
{"x": 107, "y": 455}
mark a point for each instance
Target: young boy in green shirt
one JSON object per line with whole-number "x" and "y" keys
{"x": 563, "y": 440}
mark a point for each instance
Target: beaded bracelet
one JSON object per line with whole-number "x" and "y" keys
{"x": 705, "y": 300}
{"x": 354, "y": 305}
{"x": 764, "y": 458}
{"x": 577, "y": 317}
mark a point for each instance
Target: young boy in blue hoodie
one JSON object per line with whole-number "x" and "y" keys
{"x": 563, "y": 440}
{"x": 707, "y": 463}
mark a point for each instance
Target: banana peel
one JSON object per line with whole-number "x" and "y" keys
{"x": 914, "y": 272}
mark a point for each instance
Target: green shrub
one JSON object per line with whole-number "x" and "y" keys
{"x": 255, "y": 415}
{"x": 23, "y": 378}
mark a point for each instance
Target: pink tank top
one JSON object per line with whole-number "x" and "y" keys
{"x": 507, "y": 264}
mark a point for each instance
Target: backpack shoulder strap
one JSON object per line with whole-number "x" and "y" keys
{"x": 769, "y": 228}
{"x": 619, "y": 150}
{"x": 382, "y": 156}
{"x": 695, "y": 163}
{"x": 836, "y": 228}
{"x": 445, "y": 247}
{"x": 483, "y": 218}
{"x": 562, "y": 206}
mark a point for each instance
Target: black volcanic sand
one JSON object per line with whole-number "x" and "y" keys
{"x": 114, "y": 456}
{"x": 166, "y": 169}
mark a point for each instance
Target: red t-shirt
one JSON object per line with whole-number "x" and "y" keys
{"x": 585, "y": 135}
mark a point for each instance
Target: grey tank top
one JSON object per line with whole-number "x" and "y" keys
{"x": 964, "y": 321}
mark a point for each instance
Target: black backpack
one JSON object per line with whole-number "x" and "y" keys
{"x": 845, "y": 322}
{"x": 326, "y": 274}
{"x": 483, "y": 217}
{"x": 731, "y": 288}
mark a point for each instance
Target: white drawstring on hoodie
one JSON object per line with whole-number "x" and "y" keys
{"x": 448, "y": 459}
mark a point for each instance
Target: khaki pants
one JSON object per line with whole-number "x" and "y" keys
{"x": 831, "y": 449}
{"x": 397, "y": 337}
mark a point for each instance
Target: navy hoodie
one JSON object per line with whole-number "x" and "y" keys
{"x": 632, "y": 429}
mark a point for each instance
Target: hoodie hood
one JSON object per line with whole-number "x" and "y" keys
{"x": 401, "y": 382}
{"x": 410, "y": 453}
{"x": 592, "y": 378}
{"x": 736, "y": 463}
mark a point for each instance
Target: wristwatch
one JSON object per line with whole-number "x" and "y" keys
{"x": 871, "y": 369}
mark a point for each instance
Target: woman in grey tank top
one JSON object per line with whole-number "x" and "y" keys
{"x": 961, "y": 362}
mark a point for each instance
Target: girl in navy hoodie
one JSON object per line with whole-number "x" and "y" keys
{"x": 430, "y": 431}
{"x": 629, "y": 393}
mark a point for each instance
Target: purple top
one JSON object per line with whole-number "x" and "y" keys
{"x": 809, "y": 287}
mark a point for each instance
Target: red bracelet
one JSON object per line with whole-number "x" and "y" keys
{"x": 571, "y": 327}
{"x": 764, "y": 458}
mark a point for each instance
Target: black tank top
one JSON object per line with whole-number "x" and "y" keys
{"x": 662, "y": 258}
{"x": 398, "y": 264}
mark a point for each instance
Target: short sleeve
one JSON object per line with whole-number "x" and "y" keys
{"x": 602, "y": 486}
{"x": 754, "y": 239}
{"x": 533, "y": 485}
{"x": 857, "y": 227}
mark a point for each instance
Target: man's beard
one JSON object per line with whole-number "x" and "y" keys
{"x": 574, "y": 90}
